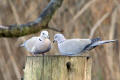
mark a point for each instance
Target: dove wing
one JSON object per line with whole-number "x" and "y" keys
{"x": 30, "y": 43}
{"x": 73, "y": 46}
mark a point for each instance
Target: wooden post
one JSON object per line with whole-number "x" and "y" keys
{"x": 58, "y": 68}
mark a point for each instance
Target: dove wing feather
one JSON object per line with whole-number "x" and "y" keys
{"x": 73, "y": 46}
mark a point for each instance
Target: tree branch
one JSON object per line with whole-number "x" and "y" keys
{"x": 41, "y": 22}
{"x": 98, "y": 23}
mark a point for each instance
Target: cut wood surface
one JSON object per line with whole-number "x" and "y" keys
{"x": 58, "y": 68}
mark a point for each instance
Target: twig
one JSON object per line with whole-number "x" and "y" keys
{"x": 98, "y": 23}
{"x": 16, "y": 69}
{"x": 14, "y": 11}
{"x": 113, "y": 22}
{"x": 79, "y": 13}
{"x": 83, "y": 10}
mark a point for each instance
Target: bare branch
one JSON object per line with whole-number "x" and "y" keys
{"x": 98, "y": 23}
{"x": 82, "y": 10}
{"x": 41, "y": 22}
{"x": 113, "y": 22}
{"x": 14, "y": 12}
{"x": 13, "y": 62}
{"x": 87, "y": 5}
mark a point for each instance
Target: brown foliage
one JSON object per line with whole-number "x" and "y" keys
{"x": 106, "y": 58}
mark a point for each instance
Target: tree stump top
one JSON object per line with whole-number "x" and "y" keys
{"x": 57, "y": 67}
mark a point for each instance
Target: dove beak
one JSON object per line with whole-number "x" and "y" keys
{"x": 54, "y": 41}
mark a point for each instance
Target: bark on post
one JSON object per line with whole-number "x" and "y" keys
{"x": 58, "y": 68}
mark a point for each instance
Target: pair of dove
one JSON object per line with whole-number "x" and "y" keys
{"x": 42, "y": 44}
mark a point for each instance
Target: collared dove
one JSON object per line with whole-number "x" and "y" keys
{"x": 38, "y": 45}
{"x": 77, "y": 46}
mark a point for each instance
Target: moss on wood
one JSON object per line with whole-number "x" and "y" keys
{"x": 35, "y": 26}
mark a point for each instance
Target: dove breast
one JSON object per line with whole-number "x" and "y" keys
{"x": 42, "y": 46}
{"x": 37, "y": 46}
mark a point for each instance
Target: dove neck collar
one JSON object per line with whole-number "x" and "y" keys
{"x": 41, "y": 38}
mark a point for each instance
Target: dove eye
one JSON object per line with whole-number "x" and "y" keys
{"x": 43, "y": 33}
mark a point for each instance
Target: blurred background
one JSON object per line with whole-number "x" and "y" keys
{"x": 77, "y": 19}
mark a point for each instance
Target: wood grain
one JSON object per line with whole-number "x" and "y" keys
{"x": 58, "y": 68}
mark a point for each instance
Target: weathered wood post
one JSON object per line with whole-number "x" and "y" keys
{"x": 58, "y": 68}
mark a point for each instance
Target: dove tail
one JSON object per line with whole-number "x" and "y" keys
{"x": 96, "y": 42}
{"x": 102, "y": 42}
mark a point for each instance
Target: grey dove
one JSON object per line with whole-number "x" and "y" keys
{"x": 77, "y": 46}
{"x": 38, "y": 45}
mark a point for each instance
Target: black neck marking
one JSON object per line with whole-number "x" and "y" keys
{"x": 40, "y": 39}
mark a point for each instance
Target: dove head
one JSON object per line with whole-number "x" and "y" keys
{"x": 44, "y": 34}
{"x": 59, "y": 38}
